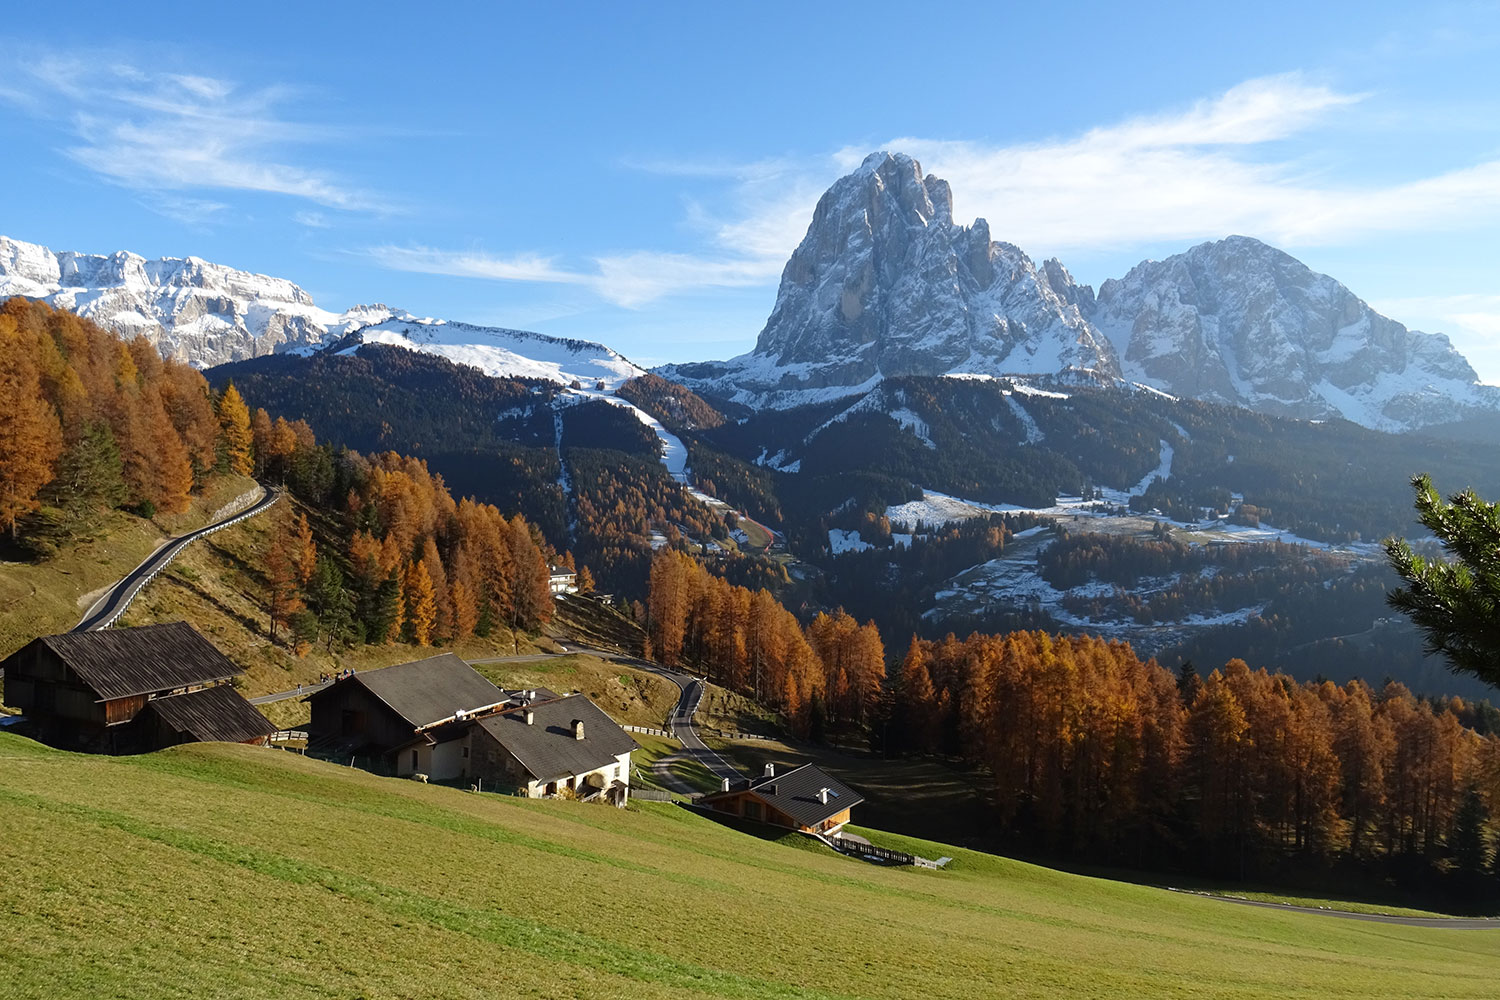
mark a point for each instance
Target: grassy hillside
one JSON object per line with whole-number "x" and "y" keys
{"x": 214, "y": 871}
{"x": 626, "y": 694}
{"x": 217, "y": 585}
{"x": 47, "y": 597}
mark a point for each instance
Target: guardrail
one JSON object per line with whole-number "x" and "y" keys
{"x": 248, "y": 499}
{"x": 646, "y": 729}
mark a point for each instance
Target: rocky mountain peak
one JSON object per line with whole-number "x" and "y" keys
{"x": 1237, "y": 321}
{"x": 884, "y": 284}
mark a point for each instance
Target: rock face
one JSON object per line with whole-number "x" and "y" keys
{"x": 885, "y": 284}
{"x": 1243, "y": 323}
{"x": 190, "y": 309}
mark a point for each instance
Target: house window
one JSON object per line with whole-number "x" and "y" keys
{"x": 466, "y": 751}
{"x": 617, "y": 772}
{"x": 413, "y": 760}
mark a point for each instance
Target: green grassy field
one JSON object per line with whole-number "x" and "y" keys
{"x": 238, "y": 872}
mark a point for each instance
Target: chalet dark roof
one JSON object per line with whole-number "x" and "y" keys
{"x": 547, "y": 747}
{"x": 121, "y": 662}
{"x": 215, "y": 714}
{"x": 796, "y": 794}
{"x": 425, "y": 691}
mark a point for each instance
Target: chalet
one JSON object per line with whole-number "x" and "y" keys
{"x": 806, "y": 798}
{"x": 375, "y": 711}
{"x": 130, "y": 690}
{"x": 562, "y": 580}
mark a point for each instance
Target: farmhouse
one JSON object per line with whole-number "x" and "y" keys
{"x": 440, "y": 718}
{"x": 806, "y": 798}
{"x": 130, "y": 690}
{"x": 376, "y": 711}
{"x": 562, "y": 580}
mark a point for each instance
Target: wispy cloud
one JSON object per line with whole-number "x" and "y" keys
{"x": 630, "y": 280}
{"x": 473, "y": 264}
{"x": 159, "y": 132}
{"x": 1230, "y": 163}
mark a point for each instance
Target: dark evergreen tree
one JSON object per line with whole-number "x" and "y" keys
{"x": 1455, "y": 604}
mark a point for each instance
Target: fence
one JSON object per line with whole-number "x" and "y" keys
{"x": 283, "y": 735}
{"x": 870, "y": 852}
{"x": 651, "y": 794}
{"x": 725, "y": 734}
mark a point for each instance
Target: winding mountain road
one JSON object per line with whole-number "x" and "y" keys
{"x": 108, "y": 608}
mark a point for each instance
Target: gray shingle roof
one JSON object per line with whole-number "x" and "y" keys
{"x": 121, "y": 662}
{"x": 425, "y": 691}
{"x": 547, "y": 747}
{"x": 213, "y": 715}
{"x": 796, "y": 794}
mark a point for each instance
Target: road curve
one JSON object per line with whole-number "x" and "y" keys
{"x": 112, "y": 605}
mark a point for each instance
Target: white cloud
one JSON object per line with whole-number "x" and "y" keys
{"x": 473, "y": 264}
{"x": 159, "y": 132}
{"x": 1226, "y": 164}
{"x": 630, "y": 280}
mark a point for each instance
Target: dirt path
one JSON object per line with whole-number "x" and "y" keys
{"x": 1447, "y": 923}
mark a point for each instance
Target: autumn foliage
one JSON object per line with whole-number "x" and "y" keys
{"x": 109, "y": 422}
{"x": 831, "y": 672}
{"x": 1097, "y": 753}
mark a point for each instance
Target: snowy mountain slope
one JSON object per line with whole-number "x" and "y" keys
{"x": 884, "y": 284}
{"x": 208, "y": 314}
{"x": 190, "y": 309}
{"x": 499, "y": 352}
{"x": 1243, "y": 323}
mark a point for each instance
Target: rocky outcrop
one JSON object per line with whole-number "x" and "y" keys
{"x": 885, "y": 284}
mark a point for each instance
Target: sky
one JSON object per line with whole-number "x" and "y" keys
{"x": 639, "y": 174}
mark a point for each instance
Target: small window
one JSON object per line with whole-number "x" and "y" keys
{"x": 413, "y": 760}
{"x": 466, "y": 751}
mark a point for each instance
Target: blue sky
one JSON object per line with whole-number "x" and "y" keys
{"x": 638, "y": 174}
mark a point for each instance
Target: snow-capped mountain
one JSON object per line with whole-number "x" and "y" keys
{"x": 499, "y": 352}
{"x": 885, "y": 284}
{"x": 208, "y": 314}
{"x": 190, "y": 309}
{"x": 1243, "y": 323}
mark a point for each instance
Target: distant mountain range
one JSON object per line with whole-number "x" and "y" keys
{"x": 883, "y": 285}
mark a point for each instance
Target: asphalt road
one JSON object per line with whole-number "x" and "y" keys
{"x": 109, "y": 607}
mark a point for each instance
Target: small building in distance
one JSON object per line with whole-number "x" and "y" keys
{"x": 130, "y": 690}
{"x": 806, "y": 798}
{"x": 562, "y": 580}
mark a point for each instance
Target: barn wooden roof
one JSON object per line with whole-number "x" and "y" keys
{"x": 121, "y": 662}
{"x": 548, "y": 749}
{"x": 426, "y": 691}
{"x": 216, "y": 714}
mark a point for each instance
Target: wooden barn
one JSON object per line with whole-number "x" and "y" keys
{"x": 806, "y": 798}
{"x": 376, "y": 711}
{"x": 130, "y": 690}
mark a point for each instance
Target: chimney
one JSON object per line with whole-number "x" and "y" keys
{"x": 578, "y": 729}
{"x": 725, "y": 785}
{"x": 770, "y": 770}
{"x": 823, "y": 796}
{"x": 530, "y": 717}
